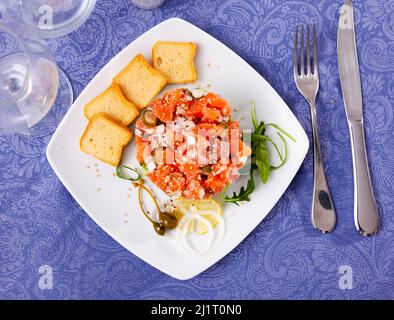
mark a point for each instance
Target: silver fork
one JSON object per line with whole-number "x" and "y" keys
{"x": 323, "y": 212}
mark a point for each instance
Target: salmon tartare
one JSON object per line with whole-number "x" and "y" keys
{"x": 189, "y": 144}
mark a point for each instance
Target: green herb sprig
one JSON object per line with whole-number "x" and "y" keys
{"x": 243, "y": 194}
{"x": 260, "y": 158}
{"x": 129, "y": 178}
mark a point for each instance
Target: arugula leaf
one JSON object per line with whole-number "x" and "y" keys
{"x": 263, "y": 163}
{"x": 260, "y": 157}
{"x": 244, "y": 193}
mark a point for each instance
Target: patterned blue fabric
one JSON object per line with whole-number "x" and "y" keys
{"x": 41, "y": 224}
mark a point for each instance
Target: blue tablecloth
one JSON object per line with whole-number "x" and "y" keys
{"x": 41, "y": 224}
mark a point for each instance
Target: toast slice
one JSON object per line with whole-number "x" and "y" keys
{"x": 175, "y": 60}
{"x": 113, "y": 102}
{"x": 139, "y": 82}
{"x": 105, "y": 138}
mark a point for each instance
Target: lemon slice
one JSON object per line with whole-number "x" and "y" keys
{"x": 203, "y": 208}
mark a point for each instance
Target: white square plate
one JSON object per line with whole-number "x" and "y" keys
{"x": 107, "y": 199}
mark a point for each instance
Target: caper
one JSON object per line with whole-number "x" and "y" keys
{"x": 206, "y": 170}
{"x": 168, "y": 220}
{"x": 159, "y": 228}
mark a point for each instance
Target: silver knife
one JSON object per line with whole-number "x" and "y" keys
{"x": 366, "y": 215}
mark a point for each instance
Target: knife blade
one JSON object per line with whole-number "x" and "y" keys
{"x": 366, "y": 216}
{"x": 348, "y": 63}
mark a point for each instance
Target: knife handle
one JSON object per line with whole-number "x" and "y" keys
{"x": 323, "y": 214}
{"x": 366, "y": 215}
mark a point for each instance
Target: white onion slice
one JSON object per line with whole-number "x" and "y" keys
{"x": 183, "y": 228}
{"x": 189, "y": 217}
{"x": 221, "y": 225}
{"x": 221, "y": 229}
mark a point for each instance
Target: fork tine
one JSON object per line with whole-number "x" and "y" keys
{"x": 315, "y": 64}
{"x": 296, "y": 72}
{"x": 302, "y": 52}
{"x": 308, "y": 50}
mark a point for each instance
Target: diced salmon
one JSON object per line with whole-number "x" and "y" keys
{"x": 195, "y": 108}
{"x": 172, "y": 98}
{"x": 161, "y": 171}
{"x": 211, "y": 114}
{"x": 175, "y": 183}
{"x": 162, "y": 111}
{"x": 190, "y": 170}
{"x": 194, "y": 190}
{"x": 215, "y": 184}
{"x": 218, "y": 102}
{"x": 142, "y": 149}
{"x": 208, "y": 128}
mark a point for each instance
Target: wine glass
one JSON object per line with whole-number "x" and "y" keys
{"x": 30, "y": 82}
